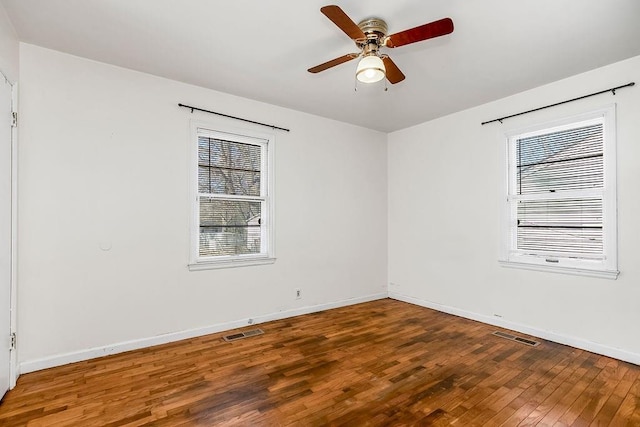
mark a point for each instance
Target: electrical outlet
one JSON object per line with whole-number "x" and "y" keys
{"x": 298, "y": 293}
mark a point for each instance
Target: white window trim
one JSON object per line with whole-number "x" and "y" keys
{"x": 196, "y": 262}
{"x": 607, "y": 267}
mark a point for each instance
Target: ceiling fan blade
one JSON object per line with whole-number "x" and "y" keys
{"x": 338, "y": 17}
{"x": 423, "y": 32}
{"x": 394, "y": 75}
{"x": 333, "y": 62}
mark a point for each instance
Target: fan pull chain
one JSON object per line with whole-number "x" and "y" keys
{"x": 355, "y": 85}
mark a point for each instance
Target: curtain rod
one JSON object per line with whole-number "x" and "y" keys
{"x": 232, "y": 117}
{"x": 612, "y": 90}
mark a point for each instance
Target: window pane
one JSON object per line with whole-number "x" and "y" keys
{"x": 561, "y": 226}
{"x": 226, "y": 167}
{"x": 567, "y": 160}
{"x": 229, "y": 227}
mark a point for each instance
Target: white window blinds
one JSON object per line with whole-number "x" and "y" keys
{"x": 559, "y": 180}
{"x": 231, "y": 197}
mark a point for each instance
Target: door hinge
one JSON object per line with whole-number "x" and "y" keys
{"x": 14, "y": 119}
{"x": 13, "y": 341}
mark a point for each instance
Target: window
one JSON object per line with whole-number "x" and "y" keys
{"x": 232, "y": 183}
{"x": 560, "y": 210}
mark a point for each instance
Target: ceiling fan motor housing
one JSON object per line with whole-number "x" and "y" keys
{"x": 374, "y": 28}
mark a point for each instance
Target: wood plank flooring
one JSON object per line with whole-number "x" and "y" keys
{"x": 375, "y": 364}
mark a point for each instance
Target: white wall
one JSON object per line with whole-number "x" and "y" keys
{"x": 8, "y": 47}
{"x": 103, "y": 157}
{"x": 444, "y": 195}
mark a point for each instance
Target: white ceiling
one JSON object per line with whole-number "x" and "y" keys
{"x": 262, "y": 49}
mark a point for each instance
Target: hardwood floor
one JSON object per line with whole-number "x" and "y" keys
{"x": 376, "y": 364}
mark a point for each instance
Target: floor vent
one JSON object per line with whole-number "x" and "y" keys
{"x": 516, "y": 338}
{"x": 241, "y": 335}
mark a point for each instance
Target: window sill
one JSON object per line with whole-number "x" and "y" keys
{"x": 229, "y": 263}
{"x": 603, "y": 274}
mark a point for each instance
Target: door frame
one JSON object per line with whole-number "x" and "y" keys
{"x": 13, "y": 366}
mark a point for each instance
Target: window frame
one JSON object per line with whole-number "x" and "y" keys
{"x": 244, "y": 136}
{"x": 604, "y": 267}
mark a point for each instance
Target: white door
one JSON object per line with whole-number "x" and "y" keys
{"x": 5, "y": 235}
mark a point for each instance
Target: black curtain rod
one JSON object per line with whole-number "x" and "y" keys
{"x": 232, "y": 117}
{"x": 612, "y": 90}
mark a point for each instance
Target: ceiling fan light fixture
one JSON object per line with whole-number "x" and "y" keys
{"x": 370, "y": 69}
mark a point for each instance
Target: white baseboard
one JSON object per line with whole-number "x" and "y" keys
{"x": 92, "y": 353}
{"x": 580, "y": 343}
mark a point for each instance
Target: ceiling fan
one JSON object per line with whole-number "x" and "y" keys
{"x": 370, "y": 36}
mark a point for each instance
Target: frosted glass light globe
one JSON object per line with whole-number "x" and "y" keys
{"x": 370, "y": 69}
